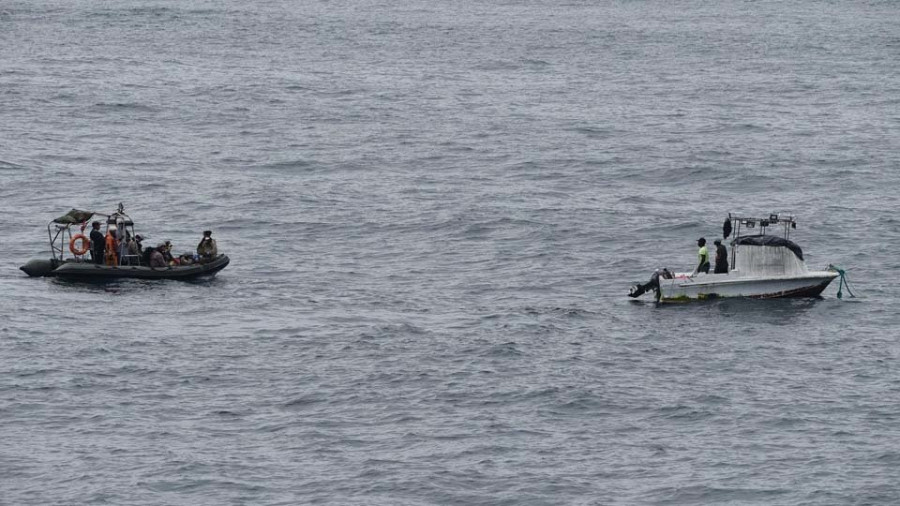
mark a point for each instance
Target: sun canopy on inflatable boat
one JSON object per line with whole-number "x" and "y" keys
{"x": 769, "y": 240}
{"x": 74, "y": 216}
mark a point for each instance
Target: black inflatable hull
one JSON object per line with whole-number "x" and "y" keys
{"x": 90, "y": 272}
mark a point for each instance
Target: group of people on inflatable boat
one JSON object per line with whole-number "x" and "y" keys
{"x": 118, "y": 247}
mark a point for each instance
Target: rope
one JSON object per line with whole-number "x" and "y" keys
{"x": 843, "y": 282}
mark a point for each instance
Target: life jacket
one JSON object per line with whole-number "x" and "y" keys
{"x": 111, "y": 257}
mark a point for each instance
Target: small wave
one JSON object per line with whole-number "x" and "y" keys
{"x": 35, "y": 372}
{"x": 891, "y": 457}
{"x": 686, "y": 413}
{"x": 226, "y": 413}
{"x": 391, "y": 331}
{"x": 204, "y": 12}
{"x": 342, "y": 93}
{"x": 569, "y": 312}
{"x": 288, "y": 165}
{"x": 123, "y": 106}
{"x": 596, "y": 132}
{"x": 701, "y": 494}
{"x": 9, "y": 166}
{"x": 303, "y": 402}
{"x": 503, "y": 350}
{"x": 671, "y": 227}
{"x": 750, "y": 127}
{"x": 498, "y": 65}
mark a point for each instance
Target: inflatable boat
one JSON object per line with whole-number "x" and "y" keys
{"x": 76, "y": 262}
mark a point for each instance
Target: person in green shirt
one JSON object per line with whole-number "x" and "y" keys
{"x": 703, "y": 256}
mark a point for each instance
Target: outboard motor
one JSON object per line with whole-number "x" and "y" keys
{"x": 640, "y": 289}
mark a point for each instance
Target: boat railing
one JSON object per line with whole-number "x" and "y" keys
{"x": 740, "y": 224}
{"x": 60, "y": 233}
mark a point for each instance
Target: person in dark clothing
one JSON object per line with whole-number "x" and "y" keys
{"x": 639, "y": 289}
{"x": 156, "y": 257}
{"x": 145, "y": 255}
{"x": 98, "y": 242}
{"x": 207, "y": 248}
{"x": 721, "y": 258}
{"x": 167, "y": 252}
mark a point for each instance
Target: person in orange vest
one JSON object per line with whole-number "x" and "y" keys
{"x": 111, "y": 247}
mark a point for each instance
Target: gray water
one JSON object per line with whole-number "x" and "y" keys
{"x": 434, "y": 211}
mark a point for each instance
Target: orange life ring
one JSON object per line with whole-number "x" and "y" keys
{"x": 85, "y": 244}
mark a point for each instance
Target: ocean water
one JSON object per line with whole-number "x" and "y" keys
{"x": 434, "y": 211}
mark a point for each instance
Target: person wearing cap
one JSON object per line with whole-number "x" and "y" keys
{"x": 97, "y": 243}
{"x": 703, "y": 256}
{"x": 111, "y": 258}
{"x": 207, "y": 247}
{"x": 721, "y": 258}
{"x": 156, "y": 256}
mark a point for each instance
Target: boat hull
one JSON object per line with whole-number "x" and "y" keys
{"x": 92, "y": 272}
{"x": 708, "y": 286}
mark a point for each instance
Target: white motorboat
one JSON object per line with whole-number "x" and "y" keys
{"x": 760, "y": 266}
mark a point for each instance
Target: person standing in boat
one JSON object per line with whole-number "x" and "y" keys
{"x": 207, "y": 247}
{"x": 97, "y": 243}
{"x": 721, "y": 258}
{"x": 703, "y": 257}
{"x": 110, "y": 253}
{"x": 130, "y": 250}
{"x": 123, "y": 240}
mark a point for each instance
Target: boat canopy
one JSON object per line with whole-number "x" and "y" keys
{"x": 769, "y": 240}
{"x": 74, "y": 216}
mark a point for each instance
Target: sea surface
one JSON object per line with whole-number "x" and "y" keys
{"x": 434, "y": 211}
